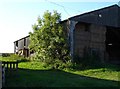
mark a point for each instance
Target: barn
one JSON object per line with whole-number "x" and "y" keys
{"x": 21, "y": 46}
{"x": 96, "y": 32}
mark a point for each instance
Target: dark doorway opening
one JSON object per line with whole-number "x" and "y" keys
{"x": 113, "y": 44}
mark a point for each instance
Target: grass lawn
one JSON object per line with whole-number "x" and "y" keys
{"x": 7, "y": 59}
{"x": 33, "y": 74}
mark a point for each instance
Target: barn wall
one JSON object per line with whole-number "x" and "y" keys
{"x": 20, "y": 47}
{"x": 93, "y": 38}
{"x": 27, "y": 42}
{"x": 21, "y": 44}
{"x": 81, "y": 39}
{"x": 98, "y": 37}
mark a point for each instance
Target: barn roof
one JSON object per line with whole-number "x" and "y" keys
{"x": 108, "y": 16}
{"x": 22, "y": 38}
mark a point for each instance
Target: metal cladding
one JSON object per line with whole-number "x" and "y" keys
{"x": 108, "y": 16}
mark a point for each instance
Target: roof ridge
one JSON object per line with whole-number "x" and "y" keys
{"x": 94, "y": 11}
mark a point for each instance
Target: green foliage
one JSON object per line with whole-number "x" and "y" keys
{"x": 5, "y": 54}
{"x": 48, "y": 40}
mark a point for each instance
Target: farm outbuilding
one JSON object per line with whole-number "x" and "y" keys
{"x": 21, "y": 46}
{"x": 95, "y": 32}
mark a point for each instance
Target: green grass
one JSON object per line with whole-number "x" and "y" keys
{"x": 33, "y": 74}
{"x": 101, "y": 73}
{"x": 7, "y": 59}
{"x": 13, "y": 58}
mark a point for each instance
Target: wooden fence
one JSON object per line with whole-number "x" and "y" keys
{"x": 10, "y": 65}
{"x": 6, "y": 66}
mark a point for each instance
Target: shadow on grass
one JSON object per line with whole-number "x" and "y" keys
{"x": 53, "y": 78}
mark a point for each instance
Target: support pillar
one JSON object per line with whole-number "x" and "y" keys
{"x": 71, "y": 34}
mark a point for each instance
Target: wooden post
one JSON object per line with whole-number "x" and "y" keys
{"x": 0, "y": 74}
{"x": 13, "y": 65}
{"x": 3, "y": 75}
{"x": 4, "y": 64}
{"x": 7, "y": 65}
{"x": 10, "y": 65}
{"x": 15, "y": 47}
{"x": 16, "y": 65}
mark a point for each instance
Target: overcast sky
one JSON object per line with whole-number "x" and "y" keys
{"x": 18, "y": 16}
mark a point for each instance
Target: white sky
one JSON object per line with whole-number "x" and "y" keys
{"x": 18, "y": 16}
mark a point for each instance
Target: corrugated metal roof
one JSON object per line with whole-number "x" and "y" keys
{"x": 108, "y": 16}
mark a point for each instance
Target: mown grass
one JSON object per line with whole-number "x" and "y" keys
{"x": 107, "y": 72}
{"x": 33, "y": 74}
{"x": 13, "y": 58}
{"x": 6, "y": 59}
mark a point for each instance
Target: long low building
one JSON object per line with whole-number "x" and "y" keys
{"x": 96, "y": 32}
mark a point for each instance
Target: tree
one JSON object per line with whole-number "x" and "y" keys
{"x": 48, "y": 39}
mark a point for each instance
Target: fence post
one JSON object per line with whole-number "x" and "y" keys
{"x": 16, "y": 65}
{"x": 13, "y": 65}
{"x": 10, "y": 65}
{"x": 0, "y": 75}
{"x": 3, "y": 75}
{"x": 7, "y": 64}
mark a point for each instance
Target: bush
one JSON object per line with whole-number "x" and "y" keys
{"x": 56, "y": 64}
{"x": 5, "y": 54}
{"x": 59, "y": 64}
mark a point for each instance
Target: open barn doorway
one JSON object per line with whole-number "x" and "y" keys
{"x": 113, "y": 44}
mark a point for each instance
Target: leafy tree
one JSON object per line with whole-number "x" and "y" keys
{"x": 48, "y": 39}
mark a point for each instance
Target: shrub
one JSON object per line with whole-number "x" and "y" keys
{"x": 48, "y": 40}
{"x": 59, "y": 64}
{"x": 5, "y": 54}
